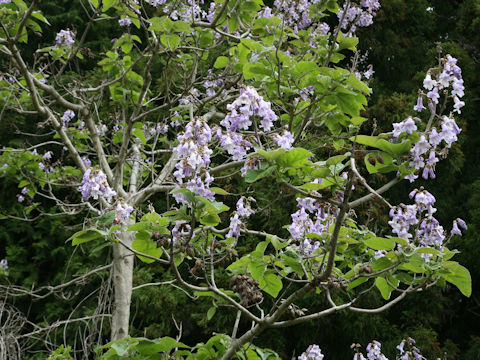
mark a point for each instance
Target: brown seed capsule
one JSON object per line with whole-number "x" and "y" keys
{"x": 380, "y": 159}
{"x": 371, "y": 160}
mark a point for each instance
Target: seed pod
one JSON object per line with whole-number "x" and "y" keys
{"x": 380, "y": 159}
{"x": 371, "y": 160}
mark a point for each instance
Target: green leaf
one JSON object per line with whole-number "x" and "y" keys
{"x": 336, "y": 159}
{"x": 271, "y": 284}
{"x": 347, "y": 42}
{"x": 384, "y": 288}
{"x": 294, "y": 158}
{"x": 87, "y": 235}
{"x": 181, "y": 26}
{"x": 172, "y": 41}
{"x": 221, "y": 62}
{"x": 140, "y": 135}
{"x": 255, "y": 175}
{"x": 365, "y": 140}
{"x": 348, "y": 103}
{"x": 358, "y": 85}
{"x": 378, "y": 243}
{"x": 107, "y": 218}
{"x": 211, "y": 312}
{"x": 277, "y": 244}
{"x": 160, "y": 24}
{"x": 107, "y": 4}
{"x": 304, "y": 67}
{"x": 145, "y": 245}
{"x": 257, "y": 269}
{"x": 400, "y": 149}
{"x": 458, "y": 276}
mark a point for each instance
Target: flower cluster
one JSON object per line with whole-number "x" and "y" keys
{"x": 66, "y": 37}
{"x": 94, "y": 184}
{"x": 433, "y": 142}
{"x": 412, "y": 353}
{"x": 302, "y": 224}
{"x": 248, "y": 105}
{"x": 122, "y": 211}
{"x": 180, "y": 230}
{"x": 194, "y": 155}
{"x": 66, "y": 117}
{"x": 353, "y": 15}
{"x": 125, "y": 21}
{"x": 244, "y": 210}
{"x": 449, "y": 74}
{"x": 312, "y": 353}
{"x": 418, "y": 219}
{"x": 3, "y": 265}
{"x": 285, "y": 140}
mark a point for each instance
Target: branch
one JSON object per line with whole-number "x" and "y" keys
{"x": 364, "y": 182}
{"x": 370, "y": 196}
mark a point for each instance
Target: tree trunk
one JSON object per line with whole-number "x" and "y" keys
{"x": 122, "y": 285}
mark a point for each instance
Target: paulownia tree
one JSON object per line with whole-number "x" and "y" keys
{"x": 192, "y": 96}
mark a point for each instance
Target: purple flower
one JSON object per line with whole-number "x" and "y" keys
{"x": 86, "y": 161}
{"x": 66, "y": 37}
{"x": 47, "y": 155}
{"x": 94, "y": 184}
{"x": 66, "y": 117}
{"x": 312, "y": 353}
{"x": 4, "y": 264}
{"x": 428, "y": 83}
{"x": 124, "y": 21}
{"x": 20, "y": 198}
{"x": 1, "y": 3}
{"x": 457, "y": 104}
{"x": 24, "y": 191}
{"x": 285, "y": 141}
{"x": 455, "y": 229}
{"x": 419, "y": 107}
{"x": 434, "y": 95}
{"x": 122, "y": 211}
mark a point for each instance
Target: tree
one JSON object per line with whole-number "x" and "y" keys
{"x": 195, "y": 103}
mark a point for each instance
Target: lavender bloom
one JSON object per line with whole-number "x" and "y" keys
{"x": 86, "y": 161}
{"x": 428, "y": 170}
{"x": 4, "y": 166}
{"x": 434, "y": 95}
{"x": 406, "y": 126}
{"x": 428, "y": 82}
{"x": 419, "y": 107}
{"x": 244, "y": 210}
{"x": 156, "y": 2}
{"x": 47, "y": 155}
{"x": 3, "y": 265}
{"x": 312, "y": 353}
{"x": 20, "y": 198}
{"x": 458, "y": 104}
{"x": 66, "y": 117}
{"x": 248, "y": 104}
{"x": 180, "y": 230}
{"x": 94, "y": 184}
{"x": 369, "y": 73}
{"x": 374, "y": 351}
{"x": 5, "y": 2}
{"x": 285, "y": 141}
{"x": 24, "y": 191}
{"x": 66, "y": 37}
{"x": 122, "y": 211}
{"x": 455, "y": 228}
{"x": 124, "y": 21}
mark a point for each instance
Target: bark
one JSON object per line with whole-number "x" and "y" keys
{"x": 122, "y": 284}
